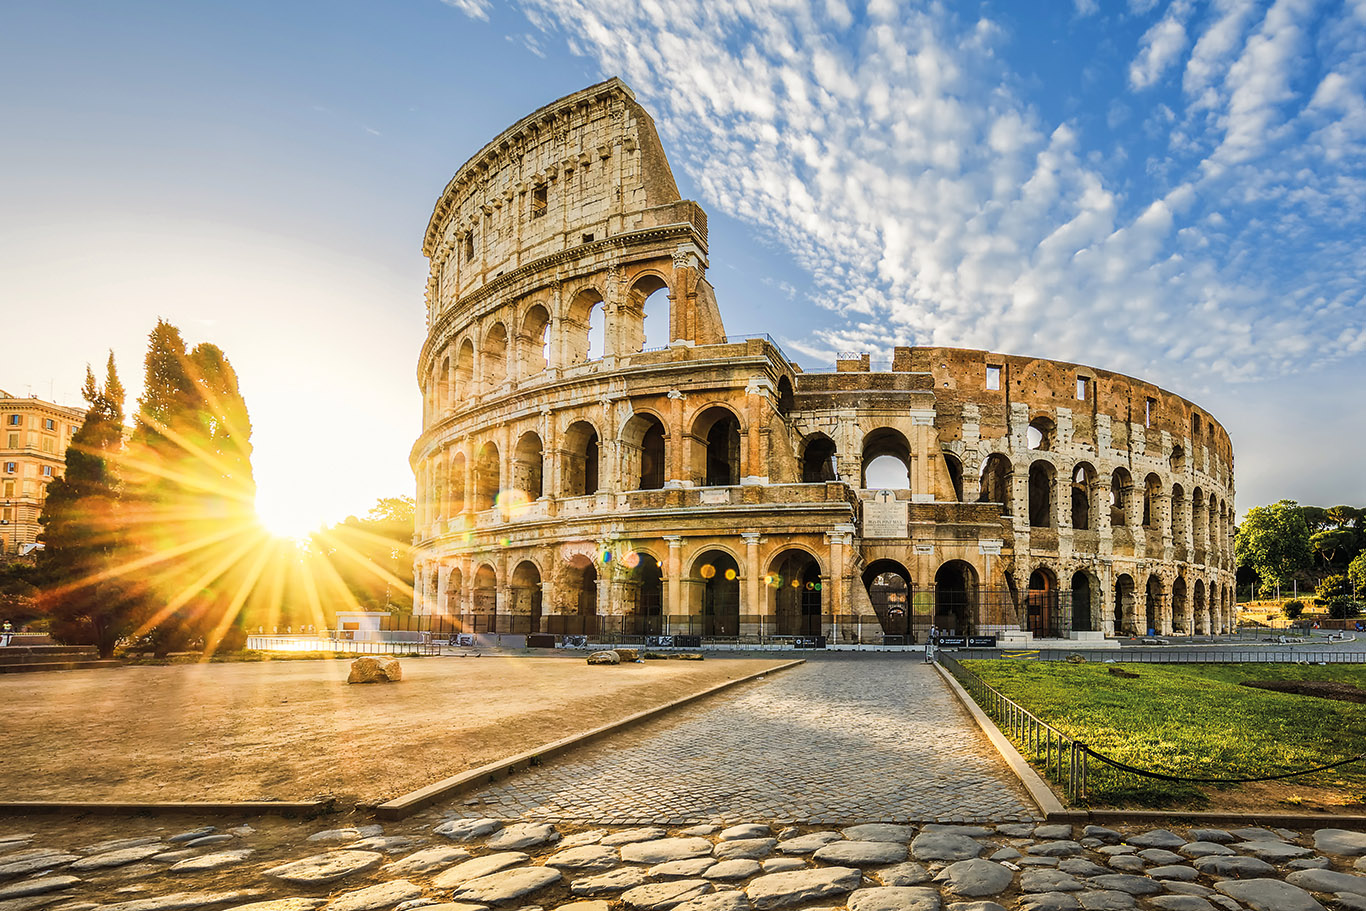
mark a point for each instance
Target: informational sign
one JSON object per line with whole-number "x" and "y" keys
{"x": 884, "y": 516}
{"x": 673, "y": 641}
{"x": 808, "y": 642}
{"x": 924, "y": 550}
{"x": 967, "y": 641}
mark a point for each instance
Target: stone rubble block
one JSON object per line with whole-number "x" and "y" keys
{"x": 1269, "y": 895}
{"x": 1060, "y": 848}
{"x": 690, "y": 868}
{"x": 1204, "y": 849}
{"x": 1049, "y": 901}
{"x": 40, "y": 886}
{"x": 1107, "y": 900}
{"x": 322, "y": 869}
{"x": 944, "y": 846}
{"x": 732, "y": 870}
{"x": 745, "y": 848}
{"x": 466, "y": 829}
{"x": 1163, "y": 856}
{"x": 1180, "y": 903}
{"x": 1179, "y": 872}
{"x": 895, "y": 898}
{"x": 478, "y": 867}
{"x": 1328, "y": 881}
{"x": 1157, "y": 838}
{"x": 1273, "y": 851}
{"x": 427, "y": 860}
{"x": 777, "y": 890}
{"x": 618, "y": 880}
{"x": 118, "y": 858}
{"x": 118, "y": 844}
{"x": 506, "y": 885}
{"x": 1340, "y": 841}
{"x": 861, "y": 853}
{"x": 663, "y": 850}
{"x": 716, "y": 901}
{"x": 663, "y": 896}
{"x": 782, "y": 864}
{"x": 579, "y": 839}
{"x": 1124, "y": 882}
{"x": 191, "y": 835}
{"x": 631, "y": 836}
{"x": 522, "y": 835}
{"x": 880, "y": 831}
{"x": 188, "y": 901}
{"x": 1219, "y": 836}
{"x": 976, "y": 878}
{"x": 375, "y": 670}
{"x": 25, "y": 862}
{"x": 377, "y": 897}
{"x": 1049, "y": 881}
{"x": 744, "y": 832}
{"x": 206, "y": 862}
{"x": 586, "y": 857}
{"x": 907, "y": 874}
{"x": 1234, "y": 867}
{"x": 807, "y": 844}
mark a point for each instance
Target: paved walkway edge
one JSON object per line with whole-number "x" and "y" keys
{"x": 413, "y": 801}
{"x": 1038, "y": 790}
{"x": 123, "y": 808}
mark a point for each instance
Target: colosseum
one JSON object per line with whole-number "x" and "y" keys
{"x": 599, "y": 457}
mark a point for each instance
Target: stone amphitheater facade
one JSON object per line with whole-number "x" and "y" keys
{"x": 565, "y": 482}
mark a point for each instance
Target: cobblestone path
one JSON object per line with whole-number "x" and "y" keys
{"x": 833, "y": 741}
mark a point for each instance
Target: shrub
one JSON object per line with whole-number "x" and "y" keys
{"x": 1293, "y": 609}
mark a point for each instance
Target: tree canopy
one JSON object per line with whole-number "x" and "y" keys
{"x": 1274, "y": 541}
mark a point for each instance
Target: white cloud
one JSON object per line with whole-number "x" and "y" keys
{"x": 929, "y": 202}
{"x": 1160, "y": 47}
{"x": 475, "y": 9}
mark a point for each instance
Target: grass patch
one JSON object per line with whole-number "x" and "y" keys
{"x": 1194, "y": 720}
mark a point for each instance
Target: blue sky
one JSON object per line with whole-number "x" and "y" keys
{"x": 1172, "y": 189}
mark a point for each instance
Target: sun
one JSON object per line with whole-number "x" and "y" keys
{"x": 284, "y": 519}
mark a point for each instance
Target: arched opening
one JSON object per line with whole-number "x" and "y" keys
{"x": 642, "y": 452}
{"x": 455, "y": 588}
{"x": 443, "y": 387}
{"x": 955, "y": 598}
{"x": 1179, "y": 624}
{"x": 716, "y": 441}
{"x": 1152, "y": 606}
{"x": 818, "y": 459}
{"x": 1152, "y": 491}
{"x": 1212, "y": 514}
{"x": 487, "y": 482}
{"x": 955, "y": 467}
{"x": 718, "y": 576}
{"x": 485, "y": 600}
{"x": 785, "y": 398}
{"x": 455, "y": 485}
{"x": 646, "y": 318}
{"x": 581, "y": 460}
{"x": 645, "y": 594}
{"x": 495, "y": 357}
{"x": 584, "y": 328}
{"x": 1178, "y": 516}
{"x": 527, "y": 461}
{"x": 1121, "y": 489}
{"x": 526, "y": 598}
{"x": 1041, "y": 433}
{"x": 794, "y": 579}
{"x": 1042, "y": 603}
{"x": 889, "y": 591}
{"x": 534, "y": 341}
{"x": 464, "y": 371}
{"x": 1124, "y": 605}
{"x": 440, "y": 501}
{"x": 1202, "y": 626}
{"x": 1083, "y": 496}
{"x": 580, "y": 589}
{"x": 1042, "y": 483}
{"x": 1081, "y": 602}
{"x": 886, "y": 460}
{"x": 996, "y": 479}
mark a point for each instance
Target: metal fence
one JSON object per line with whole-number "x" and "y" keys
{"x": 331, "y": 641}
{"x": 1062, "y": 758}
{"x": 1203, "y": 655}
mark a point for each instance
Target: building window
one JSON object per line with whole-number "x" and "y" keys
{"x": 538, "y": 201}
{"x": 47, "y": 471}
{"x": 48, "y": 444}
{"x": 13, "y": 441}
{"x": 1148, "y": 406}
{"x": 9, "y": 488}
{"x": 11, "y": 467}
{"x": 1083, "y": 388}
{"x": 469, "y": 247}
{"x": 14, "y": 420}
{"x": 49, "y": 424}
{"x": 993, "y": 377}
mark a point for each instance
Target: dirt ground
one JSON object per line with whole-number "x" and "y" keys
{"x": 293, "y": 730}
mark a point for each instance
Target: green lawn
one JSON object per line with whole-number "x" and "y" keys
{"x": 1191, "y": 720}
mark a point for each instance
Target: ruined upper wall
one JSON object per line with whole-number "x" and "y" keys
{"x": 586, "y": 167}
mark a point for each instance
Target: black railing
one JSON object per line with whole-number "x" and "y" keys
{"x": 1062, "y": 758}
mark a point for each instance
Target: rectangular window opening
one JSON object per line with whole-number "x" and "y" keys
{"x": 538, "y": 202}
{"x": 588, "y": 238}
{"x": 1148, "y": 407}
{"x": 993, "y": 377}
{"x": 469, "y": 247}
{"x": 1083, "y": 388}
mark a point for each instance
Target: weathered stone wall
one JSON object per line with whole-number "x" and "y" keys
{"x": 550, "y": 483}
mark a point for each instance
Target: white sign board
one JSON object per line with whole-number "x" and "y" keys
{"x": 884, "y": 516}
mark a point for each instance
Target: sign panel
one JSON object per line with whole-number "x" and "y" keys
{"x": 884, "y": 516}
{"x": 808, "y": 642}
{"x": 967, "y": 641}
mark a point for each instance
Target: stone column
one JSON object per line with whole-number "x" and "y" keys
{"x": 679, "y": 460}
{"x": 673, "y": 576}
{"x": 443, "y": 578}
{"x": 754, "y": 583}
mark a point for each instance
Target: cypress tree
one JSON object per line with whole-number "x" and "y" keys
{"x": 83, "y": 540}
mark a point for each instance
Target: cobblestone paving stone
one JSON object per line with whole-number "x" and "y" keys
{"x": 831, "y": 741}
{"x": 1331, "y": 874}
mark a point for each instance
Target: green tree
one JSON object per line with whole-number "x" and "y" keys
{"x": 1331, "y": 542}
{"x": 1332, "y": 588}
{"x": 1356, "y": 574}
{"x": 1273, "y": 541}
{"x": 84, "y": 545}
{"x": 373, "y": 556}
{"x": 1316, "y": 517}
{"x": 191, "y": 493}
{"x": 1293, "y": 610}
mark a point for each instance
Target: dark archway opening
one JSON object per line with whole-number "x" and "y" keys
{"x": 955, "y": 598}
{"x": 1042, "y": 604}
{"x": 818, "y": 460}
{"x": 719, "y": 576}
{"x": 1081, "y": 602}
{"x": 889, "y": 590}
{"x": 795, "y": 580}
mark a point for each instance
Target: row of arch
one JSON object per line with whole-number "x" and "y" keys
{"x": 712, "y": 585}
{"x": 535, "y": 337}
